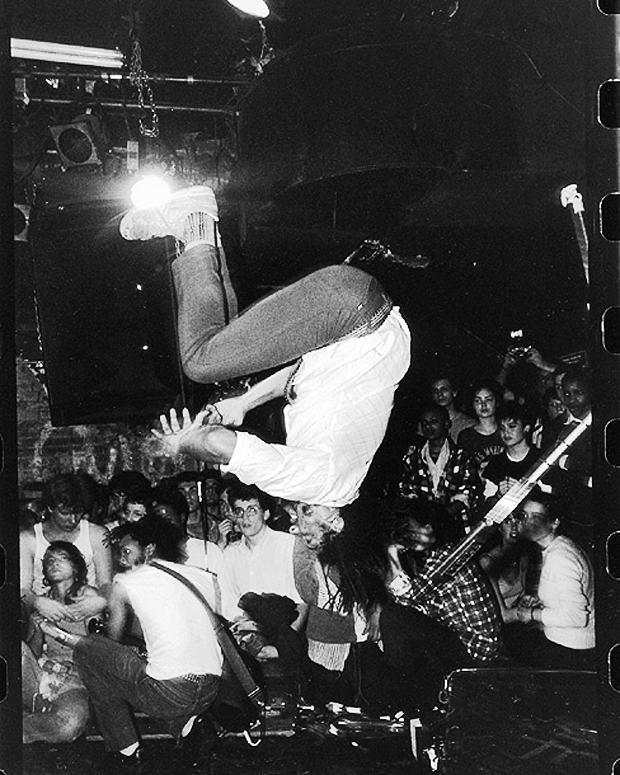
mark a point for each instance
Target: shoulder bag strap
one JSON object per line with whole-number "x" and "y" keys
{"x": 229, "y": 649}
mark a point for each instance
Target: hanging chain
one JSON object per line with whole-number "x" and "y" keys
{"x": 139, "y": 79}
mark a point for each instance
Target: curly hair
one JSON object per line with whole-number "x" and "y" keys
{"x": 168, "y": 539}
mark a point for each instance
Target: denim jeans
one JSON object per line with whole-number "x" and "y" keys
{"x": 324, "y": 307}
{"x": 116, "y": 679}
{"x": 65, "y": 718}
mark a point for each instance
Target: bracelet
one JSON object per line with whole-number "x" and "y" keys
{"x": 62, "y": 637}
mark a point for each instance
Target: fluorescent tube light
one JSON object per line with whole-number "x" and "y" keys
{"x": 62, "y": 52}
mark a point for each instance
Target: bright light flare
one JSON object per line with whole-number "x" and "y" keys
{"x": 257, "y": 8}
{"x": 150, "y": 192}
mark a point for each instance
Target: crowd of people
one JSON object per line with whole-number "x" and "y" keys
{"x": 349, "y": 611}
{"x": 284, "y": 542}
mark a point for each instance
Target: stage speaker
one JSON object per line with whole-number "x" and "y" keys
{"x": 106, "y": 317}
{"x": 21, "y": 219}
{"x": 78, "y": 144}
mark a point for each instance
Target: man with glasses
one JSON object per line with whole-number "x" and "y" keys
{"x": 66, "y": 504}
{"x": 260, "y": 563}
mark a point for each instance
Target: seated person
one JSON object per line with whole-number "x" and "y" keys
{"x": 483, "y": 439}
{"x": 555, "y": 415}
{"x": 121, "y": 485}
{"x": 203, "y": 504}
{"x": 506, "y": 469}
{"x": 429, "y": 629}
{"x": 133, "y": 507}
{"x": 554, "y": 629}
{"x": 444, "y": 393}
{"x": 66, "y": 505}
{"x": 171, "y": 505}
{"x": 439, "y": 470}
{"x": 261, "y": 562}
{"x": 55, "y": 699}
{"x": 512, "y": 565}
{"x": 178, "y": 677}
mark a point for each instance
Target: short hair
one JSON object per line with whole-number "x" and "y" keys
{"x": 187, "y": 476}
{"x": 128, "y": 483}
{"x": 546, "y": 499}
{"x": 66, "y": 490}
{"x": 238, "y": 491}
{"x": 138, "y": 497}
{"x": 168, "y": 539}
{"x": 431, "y": 407}
{"x": 211, "y": 473}
{"x": 580, "y": 375}
{"x": 444, "y": 376}
{"x": 166, "y": 496}
{"x": 76, "y": 558}
{"x": 512, "y": 410}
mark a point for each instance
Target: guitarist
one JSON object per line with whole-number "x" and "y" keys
{"x": 179, "y": 676}
{"x": 430, "y": 629}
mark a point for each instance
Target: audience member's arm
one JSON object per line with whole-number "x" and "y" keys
{"x": 95, "y": 601}
{"x": 119, "y": 608}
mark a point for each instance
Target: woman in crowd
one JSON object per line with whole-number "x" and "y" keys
{"x": 483, "y": 439}
{"x": 554, "y": 629}
{"x": 54, "y": 699}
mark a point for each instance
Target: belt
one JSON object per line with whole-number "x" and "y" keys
{"x": 195, "y": 677}
{"x": 373, "y": 323}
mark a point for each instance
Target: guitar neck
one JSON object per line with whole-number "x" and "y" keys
{"x": 468, "y": 546}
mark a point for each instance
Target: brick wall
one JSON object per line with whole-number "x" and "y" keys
{"x": 100, "y": 450}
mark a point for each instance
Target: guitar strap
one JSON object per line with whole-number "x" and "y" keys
{"x": 229, "y": 649}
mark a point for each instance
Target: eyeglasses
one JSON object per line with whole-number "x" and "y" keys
{"x": 250, "y": 511}
{"x": 523, "y": 516}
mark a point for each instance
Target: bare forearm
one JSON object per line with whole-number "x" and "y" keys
{"x": 209, "y": 443}
{"x": 268, "y": 389}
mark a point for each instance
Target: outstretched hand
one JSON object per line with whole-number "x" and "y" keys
{"x": 173, "y": 431}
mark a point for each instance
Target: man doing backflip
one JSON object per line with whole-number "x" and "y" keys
{"x": 339, "y": 343}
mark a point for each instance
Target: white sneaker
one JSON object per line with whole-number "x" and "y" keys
{"x": 168, "y": 220}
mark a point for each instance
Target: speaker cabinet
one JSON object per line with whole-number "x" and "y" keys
{"x": 106, "y": 316}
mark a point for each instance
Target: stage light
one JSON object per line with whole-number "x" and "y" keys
{"x": 150, "y": 192}
{"x": 89, "y": 56}
{"x": 256, "y": 8}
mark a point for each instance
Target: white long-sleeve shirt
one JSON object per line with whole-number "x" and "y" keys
{"x": 265, "y": 567}
{"x": 344, "y": 394}
{"x": 566, "y": 590}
